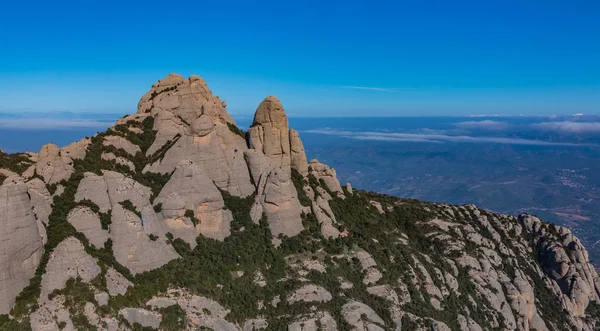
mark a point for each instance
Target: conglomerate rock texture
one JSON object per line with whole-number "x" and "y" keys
{"x": 176, "y": 219}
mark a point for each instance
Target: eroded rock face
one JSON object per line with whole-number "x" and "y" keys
{"x": 20, "y": 241}
{"x": 87, "y": 222}
{"x": 121, "y": 143}
{"x": 362, "y": 317}
{"x": 116, "y": 283}
{"x": 310, "y": 293}
{"x": 218, "y": 151}
{"x": 68, "y": 260}
{"x": 278, "y": 200}
{"x": 77, "y": 149}
{"x": 327, "y": 174}
{"x": 190, "y": 188}
{"x": 186, "y": 98}
{"x": 298, "y": 157}
{"x": 201, "y": 311}
{"x": 130, "y": 233}
{"x": 314, "y": 322}
{"x": 133, "y": 248}
{"x": 52, "y": 165}
{"x": 269, "y": 132}
{"x": 145, "y": 318}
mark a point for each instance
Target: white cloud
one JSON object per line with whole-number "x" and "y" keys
{"x": 434, "y": 138}
{"x": 51, "y": 123}
{"x": 567, "y": 126}
{"x": 486, "y": 124}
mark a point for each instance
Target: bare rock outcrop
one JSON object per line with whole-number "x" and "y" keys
{"x": 87, "y": 222}
{"x": 187, "y": 98}
{"x": 41, "y": 199}
{"x": 77, "y": 149}
{"x": 269, "y": 132}
{"x": 20, "y": 241}
{"x": 53, "y": 165}
{"x": 202, "y": 312}
{"x": 362, "y": 317}
{"x": 271, "y": 135}
{"x": 321, "y": 320}
{"x": 216, "y": 149}
{"x": 298, "y": 155}
{"x": 327, "y": 174}
{"x": 310, "y": 293}
{"x": 277, "y": 198}
{"x": 130, "y": 233}
{"x": 144, "y": 317}
{"x": 116, "y": 284}
{"x": 67, "y": 260}
{"x": 132, "y": 246}
{"x": 190, "y": 188}
{"x": 121, "y": 143}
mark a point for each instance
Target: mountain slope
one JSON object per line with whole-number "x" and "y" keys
{"x": 174, "y": 218}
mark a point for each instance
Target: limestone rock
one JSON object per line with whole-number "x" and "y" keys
{"x": 77, "y": 149}
{"x": 310, "y": 293}
{"x": 219, "y": 152}
{"x": 258, "y": 164}
{"x": 362, "y": 317}
{"x": 327, "y": 174}
{"x": 190, "y": 188}
{"x": 467, "y": 324}
{"x": 119, "y": 160}
{"x": 186, "y": 98}
{"x": 349, "y": 188}
{"x": 168, "y": 127}
{"x": 67, "y": 260}
{"x": 52, "y": 165}
{"x": 40, "y": 199}
{"x": 278, "y": 199}
{"x": 255, "y": 324}
{"x": 87, "y": 222}
{"x": 50, "y": 315}
{"x": 131, "y": 245}
{"x": 121, "y": 143}
{"x": 116, "y": 283}
{"x": 201, "y": 311}
{"x": 20, "y": 241}
{"x": 269, "y": 132}
{"x": 314, "y": 322}
{"x": 298, "y": 156}
{"x": 144, "y": 317}
{"x": 101, "y": 298}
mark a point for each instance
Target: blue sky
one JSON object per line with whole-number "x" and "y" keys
{"x": 421, "y": 57}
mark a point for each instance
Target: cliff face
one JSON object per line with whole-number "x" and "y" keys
{"x": 174, "y": 219}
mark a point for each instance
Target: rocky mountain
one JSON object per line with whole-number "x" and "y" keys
{"x": 175, "y": 219}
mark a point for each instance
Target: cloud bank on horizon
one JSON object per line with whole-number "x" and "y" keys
{"x": 434, "y": 138}
{"x": 569, "y": 126}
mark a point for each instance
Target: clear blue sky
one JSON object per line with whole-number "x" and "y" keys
{"x": 424, "y": 57}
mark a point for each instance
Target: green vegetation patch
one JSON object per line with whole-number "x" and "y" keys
{"x": 235, "y": 129}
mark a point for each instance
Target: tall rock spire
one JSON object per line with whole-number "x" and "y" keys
{"x": 271, "y": 135}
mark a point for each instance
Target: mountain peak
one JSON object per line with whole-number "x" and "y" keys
{"x": 175, "y": 219}
{"x": 187, "y": 98}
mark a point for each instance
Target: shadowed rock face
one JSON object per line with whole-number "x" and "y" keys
{"x": 326, "y": 257}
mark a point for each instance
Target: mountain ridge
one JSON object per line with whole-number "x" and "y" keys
{"x": 175, "y": 218}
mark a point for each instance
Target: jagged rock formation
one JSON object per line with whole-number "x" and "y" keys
{"x": 271, "y": 135}
{"x": 190, "y": 188}
{"x": 20, "y": 241}
{"x": 176, "y": 219}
